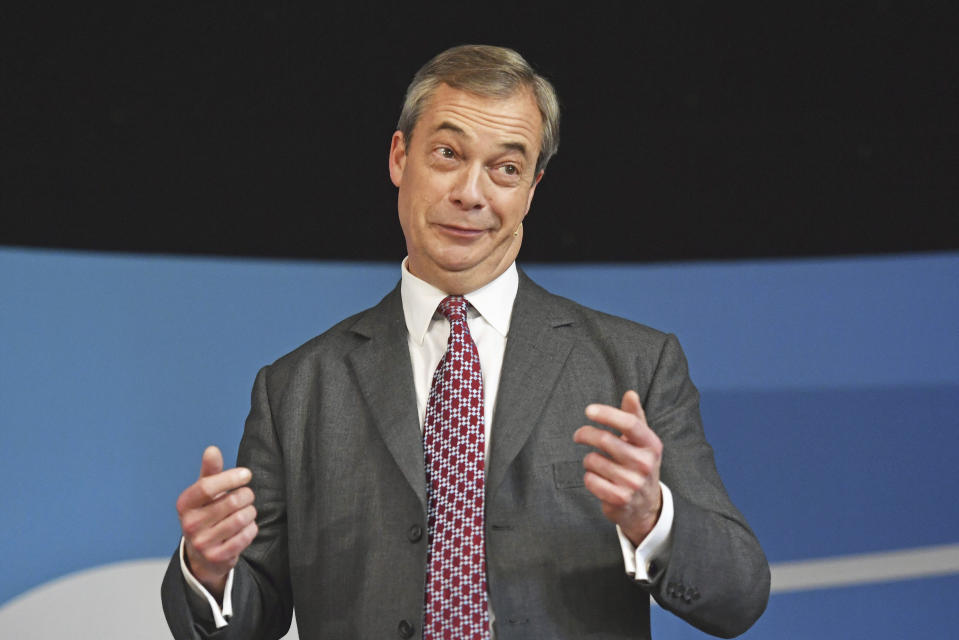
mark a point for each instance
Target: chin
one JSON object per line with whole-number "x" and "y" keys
{"x": 457, "y": 258}
{"x": 456, "y": 266}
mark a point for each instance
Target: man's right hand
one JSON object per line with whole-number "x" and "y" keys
{"x": 218, "y": 520}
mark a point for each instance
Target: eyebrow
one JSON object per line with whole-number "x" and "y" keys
{"x": 511, "y": 146}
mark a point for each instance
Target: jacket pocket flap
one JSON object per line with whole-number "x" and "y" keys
{"x": 568, "y": 475}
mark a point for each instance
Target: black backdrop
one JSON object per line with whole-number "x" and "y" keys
{"x": 698, "y": 132}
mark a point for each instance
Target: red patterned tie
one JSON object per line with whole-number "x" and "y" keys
{"x": 453, "y": 440}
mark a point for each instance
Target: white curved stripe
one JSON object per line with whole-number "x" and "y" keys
{"x": 885, "y": 566}
{"x": 115, "y": 601}
{"x": 123, "y": 600}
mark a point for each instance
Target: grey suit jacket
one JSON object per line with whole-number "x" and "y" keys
{"x": 335, "y": 446}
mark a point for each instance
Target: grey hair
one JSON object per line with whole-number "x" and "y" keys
{"x": 494, "y": 72}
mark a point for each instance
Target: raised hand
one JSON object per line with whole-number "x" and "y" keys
{"x": 624, "y": 473}
{"x": 217, "y": 517}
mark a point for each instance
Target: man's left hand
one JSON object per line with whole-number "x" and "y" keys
{"x": 624, "y": 473}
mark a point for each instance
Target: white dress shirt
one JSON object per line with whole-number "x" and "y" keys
{"x": 488, "y": 318}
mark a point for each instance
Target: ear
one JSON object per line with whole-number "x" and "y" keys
{"x": 397, "y": 157}
{"x": 532, "y": 190}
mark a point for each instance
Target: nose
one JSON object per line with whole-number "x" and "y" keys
{"x": 467, "y": 191}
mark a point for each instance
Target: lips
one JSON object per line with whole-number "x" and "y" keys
{"x": 458, "y": 231}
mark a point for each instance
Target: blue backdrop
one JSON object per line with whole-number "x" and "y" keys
{"x": 830, "y": 393}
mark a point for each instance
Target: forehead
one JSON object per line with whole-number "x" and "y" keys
{"x": 515, "y": 119}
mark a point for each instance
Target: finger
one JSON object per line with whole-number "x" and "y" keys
{"x": 623, "y": 421}
{"x": 228, "y": 504}
{"x": 616, "y": 473}
{"x": 222, "y": 531}
{"x": 225, "y": 554}
{"x": 622, "y": 451}
{"x": 631, "y": 404}
{"x": 194, "y": 521}
{"x": 208, "y": 488}
{"x": 212, "y": 462}
{"x": 630, "y": 424}
{"x": 607, "y": 492}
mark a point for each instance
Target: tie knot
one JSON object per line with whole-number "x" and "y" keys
{"x": 453, "y": 307}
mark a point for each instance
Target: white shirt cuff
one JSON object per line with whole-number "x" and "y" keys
{"x": 220, "y": 614}
{"x": 654, "y": 547}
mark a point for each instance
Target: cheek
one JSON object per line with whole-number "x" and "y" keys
{"x": 407, "y": 208}
{"x": 424, "y": 199}
{"x": 422, "y": 195}
{"x": 511, "y": 209}
{"x": 411, "y": 199}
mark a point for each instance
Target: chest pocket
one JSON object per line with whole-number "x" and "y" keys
{"x": 568, "y": 475}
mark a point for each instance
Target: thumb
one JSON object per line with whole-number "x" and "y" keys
{"x": 212, "y": 462}
{"x": 631, "y": 404}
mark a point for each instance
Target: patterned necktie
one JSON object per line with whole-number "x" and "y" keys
{"x": 453, "y": 441}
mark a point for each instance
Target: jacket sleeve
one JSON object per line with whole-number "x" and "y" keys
{"x": 717, "y": 577}
{"x": 262, "y": 599}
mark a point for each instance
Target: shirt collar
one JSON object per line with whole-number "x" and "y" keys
{"x": 493, "y": 301}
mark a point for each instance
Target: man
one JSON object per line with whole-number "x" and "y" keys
{"x": 394, "y": 496}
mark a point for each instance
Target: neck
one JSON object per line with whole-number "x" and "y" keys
{"x": 459, "y": 283}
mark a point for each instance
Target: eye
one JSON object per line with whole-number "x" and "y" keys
{"x": 446, "y": 152}
{"x": 509, "y": 173}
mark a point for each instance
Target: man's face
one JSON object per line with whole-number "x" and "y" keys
{"x": 466, "y": 180}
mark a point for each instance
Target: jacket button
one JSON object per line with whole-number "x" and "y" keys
{"x": 415, "y": 533}
{"x": 405, "y": 629}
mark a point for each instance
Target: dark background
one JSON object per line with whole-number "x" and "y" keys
{"x": 689, "y": 133}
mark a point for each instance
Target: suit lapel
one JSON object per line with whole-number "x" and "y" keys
{"x": 384, "y": 374}
{"x": 536, "y": 352}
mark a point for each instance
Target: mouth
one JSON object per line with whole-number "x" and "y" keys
{"x": 456, "y": 231}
